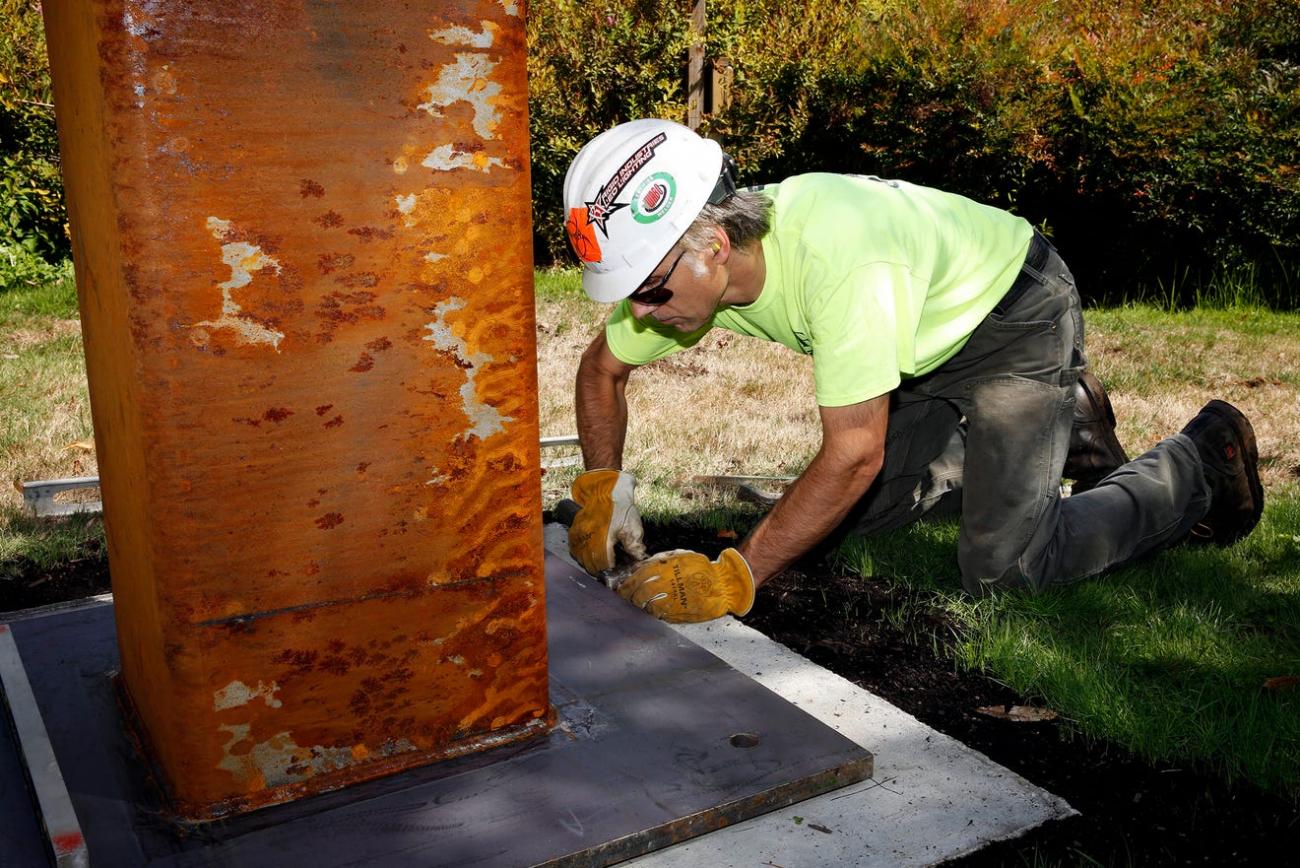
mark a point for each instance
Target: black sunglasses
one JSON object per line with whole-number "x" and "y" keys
{"x": 657, "y": 293}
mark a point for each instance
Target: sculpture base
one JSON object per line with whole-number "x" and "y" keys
{"x": 656, "y": 741}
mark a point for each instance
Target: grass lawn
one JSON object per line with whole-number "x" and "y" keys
{"x": 1171, "y": 657}
{"x": 45, "y": 428}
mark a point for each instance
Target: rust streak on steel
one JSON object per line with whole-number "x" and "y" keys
{"x": 303, "y": 247}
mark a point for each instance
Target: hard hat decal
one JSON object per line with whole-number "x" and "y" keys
{"x": 654, "y": 197}
{"x": 582, "y": 236}
{"x": 628, "y": 195}
{"x": 600, "y": 208}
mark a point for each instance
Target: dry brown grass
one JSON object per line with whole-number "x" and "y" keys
{"x": 737, "y": 405}
{"x": 1161, "y": 368}
{"x": 44, "y": 404}
{"x": 743, "y": 406}
{"x": 730, "y": 405}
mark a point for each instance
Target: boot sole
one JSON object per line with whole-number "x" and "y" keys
{"x": 1250, "y": 458}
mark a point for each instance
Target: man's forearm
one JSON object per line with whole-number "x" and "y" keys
{"x": 601, "y": 408}
{"x": 811, "y": 508}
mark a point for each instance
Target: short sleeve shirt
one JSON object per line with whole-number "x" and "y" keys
{"x": 878, "y": 280}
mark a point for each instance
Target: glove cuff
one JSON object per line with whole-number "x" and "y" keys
{"x": 736, "y": 563}
{"x": 605, "y": 478}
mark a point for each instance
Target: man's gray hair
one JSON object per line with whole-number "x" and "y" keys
{"x": 745, "y": 217}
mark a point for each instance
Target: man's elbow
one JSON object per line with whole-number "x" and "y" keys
{"x": 598, "y": 364}
{"x": 860, "y": 467}
{"x": 868, "y": 466}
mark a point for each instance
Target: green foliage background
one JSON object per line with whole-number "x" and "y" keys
{"x": 1157, "y": 140}
{"x": 32, "y": 215}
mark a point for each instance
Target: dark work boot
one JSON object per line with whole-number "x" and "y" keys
{"x": 1095, "y": 451}
{"x": 1226, "y": 443}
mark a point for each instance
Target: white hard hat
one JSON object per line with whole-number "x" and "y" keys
{"x": 630, "y": 193}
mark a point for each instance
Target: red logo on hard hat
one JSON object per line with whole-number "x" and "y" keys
{"x": 600, "y": 208}
{"x": 654, "y": 196}
{"x": 582, "y": 235}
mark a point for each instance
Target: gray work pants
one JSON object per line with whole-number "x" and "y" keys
{"x": 987, "y": 434}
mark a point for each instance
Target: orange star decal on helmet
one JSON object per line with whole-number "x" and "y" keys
{"x": 582, "y": 235}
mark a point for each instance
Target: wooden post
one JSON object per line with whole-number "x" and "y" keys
{"x": 721, "y": 76}
{"x": 695, "y": 78}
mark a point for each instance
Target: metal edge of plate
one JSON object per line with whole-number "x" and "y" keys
{"x": 57, "y": 816}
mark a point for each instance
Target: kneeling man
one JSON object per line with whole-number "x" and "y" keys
{"x": 948, "y": 355}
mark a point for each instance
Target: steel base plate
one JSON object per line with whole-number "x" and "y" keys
{"x": 657, "y": 741}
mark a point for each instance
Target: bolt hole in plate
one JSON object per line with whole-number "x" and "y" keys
{"x": 744, "y": 739}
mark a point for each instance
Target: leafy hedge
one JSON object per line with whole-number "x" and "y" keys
{"x": 32, "y": 215}
{"x": 1156, "y": 139}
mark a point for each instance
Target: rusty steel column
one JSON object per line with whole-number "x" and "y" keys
{"x": 303, "y": 247}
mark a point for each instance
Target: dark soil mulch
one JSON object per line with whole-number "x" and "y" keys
{"x": 1132, "y": 813}
{"x": 25, "y": 585}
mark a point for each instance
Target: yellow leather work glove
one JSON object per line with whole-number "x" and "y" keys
{"x": 685, "y": 587}
{"x": 608, "y": 515}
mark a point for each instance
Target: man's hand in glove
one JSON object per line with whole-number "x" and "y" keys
{"x": 685, "y": 586}
{"x": 608, "y": 515}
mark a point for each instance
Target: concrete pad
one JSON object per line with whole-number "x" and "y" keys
{"x": 931, "y": 798}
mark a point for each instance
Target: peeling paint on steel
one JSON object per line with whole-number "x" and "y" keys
{"x": 466, "y": 37}
{"x": 434, "y": 257}
{"x": 279, "y": 760}
{"x": 447, "y": 158}
{"x": 139, "y": 27}
{"x": 467, "y": 80}
{"x": 511, "y": 6}
{"x": 486, "y": 419}
{"x": 405, "y": 205}
{"x": 243, "y": 259}
{"x": 237, "y": 693}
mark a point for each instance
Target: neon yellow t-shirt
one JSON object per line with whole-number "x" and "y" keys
{"x": 877, "y": 280}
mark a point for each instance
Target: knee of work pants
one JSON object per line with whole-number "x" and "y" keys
{"x": 1015, "y": 449}
{"x": 1019, "y": 403}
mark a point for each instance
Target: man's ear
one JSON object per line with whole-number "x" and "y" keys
{"x": 721, "y": 247}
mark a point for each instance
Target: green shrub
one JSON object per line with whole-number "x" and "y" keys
{"x": 31, "y": 285}
{"x": 1157, "y": 140}
{"x": 1152, "y": 138}
{"x": 32, "y": 213}
{"x": 589, "y": 66}
{"x": 593, "y": 65}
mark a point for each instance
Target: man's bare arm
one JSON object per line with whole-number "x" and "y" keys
{"x": 852, "y": 452}
{"x": 601, "y": 405}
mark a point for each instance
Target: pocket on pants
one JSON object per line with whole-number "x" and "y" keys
{"x": 1015, "y": 447}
